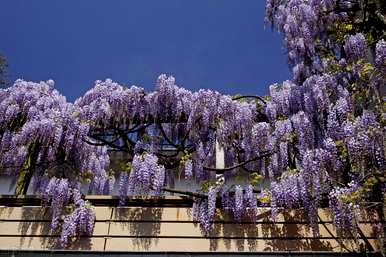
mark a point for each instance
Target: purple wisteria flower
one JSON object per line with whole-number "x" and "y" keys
{"x": 356, "y": 47}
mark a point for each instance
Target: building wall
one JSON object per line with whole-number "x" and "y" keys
{"x": 162, "y": 229}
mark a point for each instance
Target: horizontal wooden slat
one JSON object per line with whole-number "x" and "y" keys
{"x": 104, "y": 200}
{"x": 185, "y": 214}
{"x": 226, "y": 230}
{"x": 24, "y": 213}
{"x": 232, "y": 245}
{"x": 175, "y": 229}
{"x": 42, "y": 213}
{"x": 183, "y": 244}
{"x": 168, "y": 214}
{"x": 178, "y": 244}
{"x": 49, "y": 243}
{"x": 12, "y": 228}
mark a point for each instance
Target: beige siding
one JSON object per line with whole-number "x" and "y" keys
{"x": 172, "y": 229}
{"x": 234, "y": 245}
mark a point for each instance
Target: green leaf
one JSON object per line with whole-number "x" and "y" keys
{"x": 255, "y": 178}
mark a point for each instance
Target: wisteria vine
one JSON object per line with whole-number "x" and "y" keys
{"x": 319, "y": 136}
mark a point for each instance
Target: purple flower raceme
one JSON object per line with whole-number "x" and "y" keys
{"x": 346, "y": 213}
{"x": 123, "y": 187}
{"x": 200, "y": 214}
{"x": 188, "y": 168}
{"x": 356, "y": 47}
{"x": 239, "y": 206}
{"x": 80, "y": 221}
{"x": 212, "y": 199}
{"x": 250, "y": 202}
{"x": 58, "y": 193}
{"x": 146, "y": 175}
{"x": 300, "y": 22}
{"x": 380, "y": 55}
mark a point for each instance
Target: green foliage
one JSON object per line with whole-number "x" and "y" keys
{"x": 239, "y": 98}
{"x": 69, "y": 208}
{"x": 367, "y": 187}
{"x": 111, "y": 172}
{"x": 342, "y": 148}
{"x": 186, "y": 156}
{"x": 265, "y": 197}
{"x": 255, "y": 178}
{"x": 239, "y": 179}
{"x": 87, "y": 177}
{"x": 282, "y": 117}
{"x": 206, "y": 185}
{"x": 293, "y": 137}
{"x": 88, "y": 204}
{"x": 288, "y": 172}
{"x": 267, "y": 97}
{"x": 125, "y": 166}
{"x": 146, "y": 138}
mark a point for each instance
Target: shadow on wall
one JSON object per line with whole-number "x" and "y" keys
{"x": 35, "y": 223}
{"x": 150, "y": 228}
{"x": 151, "y": 225}
{"x": 246, "y": 236}
{"x": 293, "y": 230}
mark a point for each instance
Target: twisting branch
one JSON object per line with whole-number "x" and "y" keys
{"x": 174, "y": 154}
{"x": 220, "y": 171}
{"x": 197, "y": 195}
{"x": 262, "y": 116}
{"x": 250, "y": 96}
{"x": 92, "y": 143}
{"x": 185, "y": 138}
{"x": 125, "y": 138}
{"x": 108, "y": 143}
{"x": 128, "y": 129}
{"x": 136, "y": 128}
{"x": 29, "y": 167}
{"x": 239, "y": 160}
{"x": 248, "y": 170}
{"x": 188, "y": 193}
{"x": 166, "y": 137}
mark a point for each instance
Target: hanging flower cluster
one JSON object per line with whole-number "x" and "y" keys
{"x": 335, "y": 107}
{"x": 80, "y": 221}
{"x": 145, "y": 177}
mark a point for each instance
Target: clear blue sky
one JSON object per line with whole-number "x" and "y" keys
{"x": 217, "y": 44}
